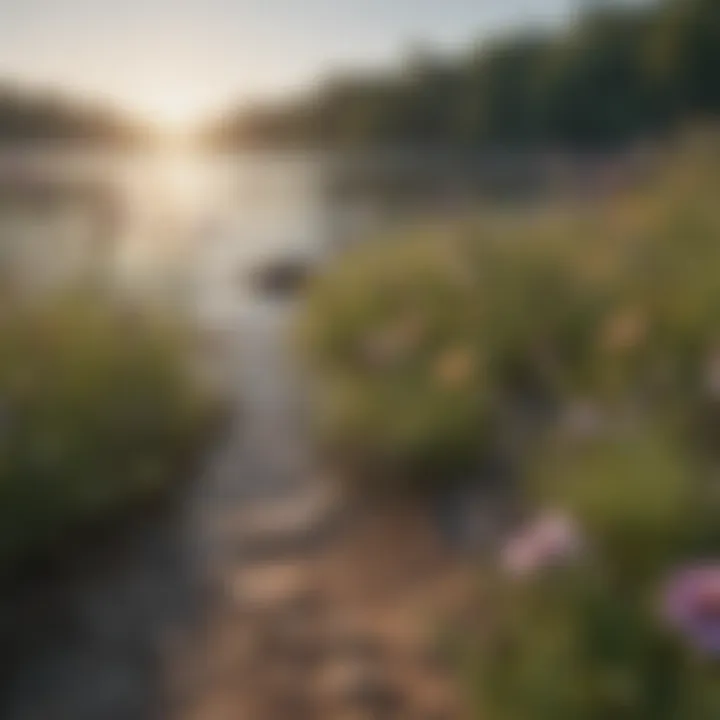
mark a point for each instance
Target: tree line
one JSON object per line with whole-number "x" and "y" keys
{"x": 616, "y": 73}
{"x": 27, "y": 116}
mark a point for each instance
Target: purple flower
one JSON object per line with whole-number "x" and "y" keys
{"x": 552, "y": 540}
{"x": 692, "y": 606}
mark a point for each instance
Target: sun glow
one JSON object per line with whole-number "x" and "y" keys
{"x": 175, "y": 116}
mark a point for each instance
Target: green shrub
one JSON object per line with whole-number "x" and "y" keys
{"x": 401, "y": 376}
{"x": 98, "y": 409}
{"x": 633, "y": 492}
{"x": 578, "y": 646}
{"x": 617, "y": 304}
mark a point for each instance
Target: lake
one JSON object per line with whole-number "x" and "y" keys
{"x": 169, "y": 223}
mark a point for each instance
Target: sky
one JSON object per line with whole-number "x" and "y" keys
{"x": 178, "y": 61}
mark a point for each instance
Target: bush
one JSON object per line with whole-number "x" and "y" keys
{"x": 582, "y": 648}
{"x": 422, "y": 344}
{"x": 633, "y": 492}
{"x": 98, "y": 409}
{"x": 401, "y": 377}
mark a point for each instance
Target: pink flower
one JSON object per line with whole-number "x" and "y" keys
{"x": 692, "y": 606}
{"x": 552, "y": 540}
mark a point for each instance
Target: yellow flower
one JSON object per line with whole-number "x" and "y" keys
{"x": 624, "y": 330}
{"x": 454, "y": 367}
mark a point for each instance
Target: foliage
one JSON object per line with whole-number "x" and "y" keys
{"x": 402, "y": 385}
{"x": 592, "y": 635}
{"x": 613, "y": 307}
{"x": 591, "y": 638}
{"x": 621, "y": 72}
{"x": 43, "y": 116}
{"x": 606, "y": 320}
{"x": 582, "y": 647}
{"x": 98, "y": 410}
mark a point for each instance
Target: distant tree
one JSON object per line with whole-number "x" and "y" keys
{"x": 26, "y": 116}
{"x": 499, "y": 100}
{"x": 594, "y": 88}
{"x": 683, "y": 57}
{"x": 620, "y": 71}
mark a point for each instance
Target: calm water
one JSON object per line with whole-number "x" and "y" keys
{"x": 166, "y": 221}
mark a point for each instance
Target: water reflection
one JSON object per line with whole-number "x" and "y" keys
{"x": 177, "y": 223}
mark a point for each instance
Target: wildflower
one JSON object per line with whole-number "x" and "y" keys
{"x": 692, "y": 606}
{"x": 624, "y": 331}
{"x": 454, "y": 367}
{"x": 394, "y": 342}
{"x": 552, "y": 540}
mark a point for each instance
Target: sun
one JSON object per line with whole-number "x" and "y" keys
{"x": 174, "y": 115}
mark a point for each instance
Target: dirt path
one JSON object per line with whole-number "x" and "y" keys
{"x": 259, "y": 596}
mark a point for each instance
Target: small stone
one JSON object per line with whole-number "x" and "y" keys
{"x": 353, "y": 644}
{"x": 274, "y": 586}
{"x": 434, "y": 699}
{"x": 295, "y": 643}
{"x": 355, "y": 686}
